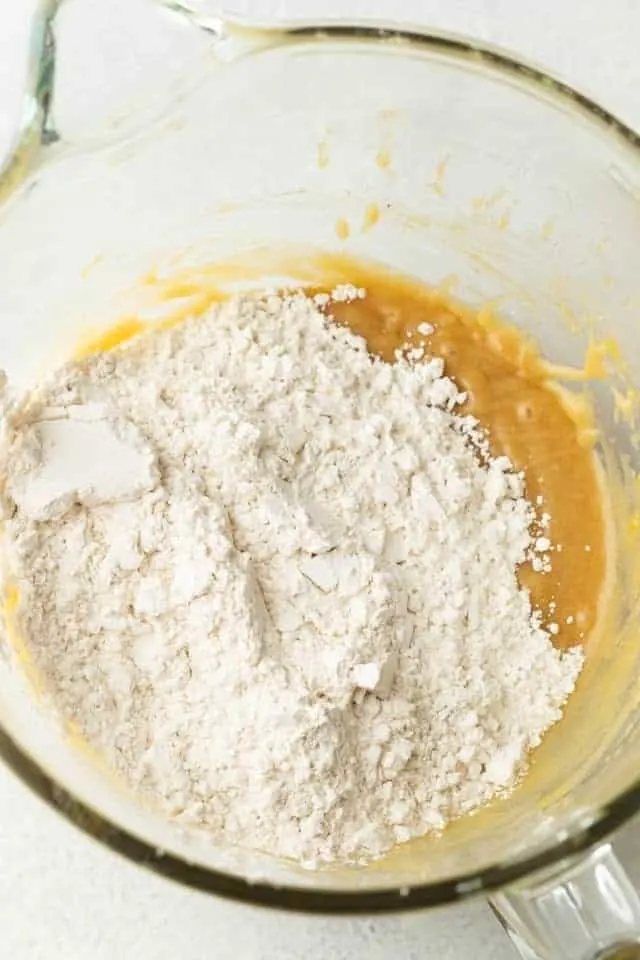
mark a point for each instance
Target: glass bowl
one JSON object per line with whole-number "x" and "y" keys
{"x": 443, "y": 159}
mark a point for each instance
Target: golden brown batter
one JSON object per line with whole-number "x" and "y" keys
{"x": 528, "y": 419}
{"x": 510, "y": 390}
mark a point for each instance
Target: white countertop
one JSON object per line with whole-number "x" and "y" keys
{"x": 62, "y": 897}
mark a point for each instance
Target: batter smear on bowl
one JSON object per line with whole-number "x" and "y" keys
{"x": 283, "y": 580}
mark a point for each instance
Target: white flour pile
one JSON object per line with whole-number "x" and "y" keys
{"x": 274, "y": 583}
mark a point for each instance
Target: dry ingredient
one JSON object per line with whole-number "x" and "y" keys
{"x": 273, "y": 580}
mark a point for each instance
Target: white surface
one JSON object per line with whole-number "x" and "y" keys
{"x": 62, "y": 897}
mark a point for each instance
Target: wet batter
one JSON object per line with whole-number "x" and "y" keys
{"x": 511, "y": 392}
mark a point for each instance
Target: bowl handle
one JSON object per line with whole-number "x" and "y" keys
{"x": 587, "y": 910}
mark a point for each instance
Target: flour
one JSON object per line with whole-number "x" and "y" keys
{"x": 273, "y": 581}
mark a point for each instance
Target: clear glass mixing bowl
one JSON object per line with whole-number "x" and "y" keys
{"x": 479, "y": 167}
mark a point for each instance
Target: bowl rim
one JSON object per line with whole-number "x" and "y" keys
{"x": 609, "y": 818}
